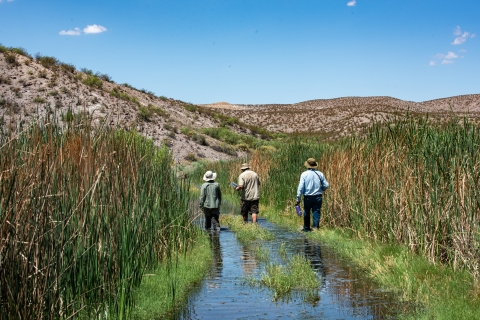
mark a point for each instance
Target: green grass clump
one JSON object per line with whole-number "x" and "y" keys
{"x": 46, "y": 61}
{"x": 39, "y": 100}
{"x": 93, "y": 81}
{"x": 246, "y": 232}
{"x": 296, "y": 275}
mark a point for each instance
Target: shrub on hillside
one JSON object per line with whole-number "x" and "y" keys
{"x": 68, "y": 67}
{"x": 21, "y": 51}
{"x": 11, "y": 59}
{"x": 46, "y": 61}
{"x": 93, "y": 81}
{"x": 225, "y": 149}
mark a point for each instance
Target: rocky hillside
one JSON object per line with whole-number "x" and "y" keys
{"x": 31, "y": 87}
{"x": 342, "y": 116}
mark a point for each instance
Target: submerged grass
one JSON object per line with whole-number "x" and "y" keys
{"x": 297, "y": 275}
{"x": 246, "y": 232}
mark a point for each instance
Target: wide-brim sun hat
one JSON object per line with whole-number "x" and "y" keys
{"x": 244, "y": 166}
{"x": 311, "y": 163}
{"x": 209, "y": 175}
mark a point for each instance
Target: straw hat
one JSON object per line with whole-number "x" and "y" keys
{"x": 311, "y": 163}
{"x": 244, "y": 166}
{"x": 209, "y": 175}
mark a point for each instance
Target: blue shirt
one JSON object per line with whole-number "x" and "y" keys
{"x": 312, "y": 183}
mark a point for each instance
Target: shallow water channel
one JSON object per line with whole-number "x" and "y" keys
{"x": 225, "y": 294}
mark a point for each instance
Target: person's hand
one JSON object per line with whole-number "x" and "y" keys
{"x": 297, "y": 203}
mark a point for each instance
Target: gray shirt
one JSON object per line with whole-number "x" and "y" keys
{"x": 210, "y": 195}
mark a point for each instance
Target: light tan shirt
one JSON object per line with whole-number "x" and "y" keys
{"x": 251, "y": 185}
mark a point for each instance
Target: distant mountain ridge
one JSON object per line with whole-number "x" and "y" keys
{"x": 339, "y": 117}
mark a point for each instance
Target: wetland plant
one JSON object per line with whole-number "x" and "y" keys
{"x": 297, "y": 275}
{"x": 83, "y": 213}
{"x": 246, "y": 232}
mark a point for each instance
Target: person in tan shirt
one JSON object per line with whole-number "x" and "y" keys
{"x": 249, "y": 183}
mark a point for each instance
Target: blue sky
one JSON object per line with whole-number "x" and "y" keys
{"x": 260, "y": 51}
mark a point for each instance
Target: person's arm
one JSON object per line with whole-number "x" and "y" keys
{"x": 202, "y": 196}
{"x": 301, "y": 188}
{"x": 219, "y": 196}
{"x": 240, "y": 183}
{"x": 324, "y": 181}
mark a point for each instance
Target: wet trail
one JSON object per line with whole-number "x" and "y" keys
{"x": 343, "y": 293}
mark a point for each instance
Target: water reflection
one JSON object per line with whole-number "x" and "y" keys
{"x": 344, "y": 292}
{"x": 216, "y": 271}
{"x": 249, "y": 264}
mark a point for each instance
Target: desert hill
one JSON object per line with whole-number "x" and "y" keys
{"x": 342, "y": 116}
{"x": 31, "y": 87}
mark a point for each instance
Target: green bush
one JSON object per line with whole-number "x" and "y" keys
{"x": 21, "y": 51}
{"x": 11, "y": 59}
{"x": 68, "y": 67}
{"x": 39, "y": 100}
{"x": 190, "y": 107}
{"x": 87, "y": 71}
{"x": 191, "y": 157}
{"x": 93, "y": 81}
{"x": 46, "y": 61}
{"x": 145, "y": 113}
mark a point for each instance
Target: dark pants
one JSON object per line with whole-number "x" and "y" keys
{"x": 247, "y": 206}
{"x": 212, "y": 215}
{"x": 313, "y": 203}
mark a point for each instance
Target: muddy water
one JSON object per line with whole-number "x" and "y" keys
{"x": 343, "y": 293}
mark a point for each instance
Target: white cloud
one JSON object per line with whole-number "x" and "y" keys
{"x": 462, "y": 50}
{"x": 462, "y": 36}
{"x": 457, "y": 31}
{"x": 94, "y": 29}
{"x": 90, "y": 29}
{"x": 451, "y": 55}
{"x": 74, "y": 32}
{"x": 352, "y": 3}
{"x": 446, "y": 58}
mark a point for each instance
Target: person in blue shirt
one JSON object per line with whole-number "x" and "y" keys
{"x": 311, "y": 186}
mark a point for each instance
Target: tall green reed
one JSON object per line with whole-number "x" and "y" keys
{"x": 82, "y": 213}
{"x": 411, "y": 182}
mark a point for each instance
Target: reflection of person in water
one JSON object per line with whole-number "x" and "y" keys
{"x": 248, "y": 261}
{"x": 217, "y": 254}
{"x": 313, "y": 252}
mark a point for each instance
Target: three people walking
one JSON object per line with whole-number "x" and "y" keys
{"x": 311, "y": 186}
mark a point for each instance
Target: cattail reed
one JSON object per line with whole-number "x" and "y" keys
{"x": 411, "y": 182}
{"x": 82, "y": 214}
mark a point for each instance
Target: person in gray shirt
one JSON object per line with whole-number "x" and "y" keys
{"x": 249, "y": 183}
{"x": 211, "y": 200}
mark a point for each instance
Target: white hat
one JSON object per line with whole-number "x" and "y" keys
{"x": 209, "y": 175}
